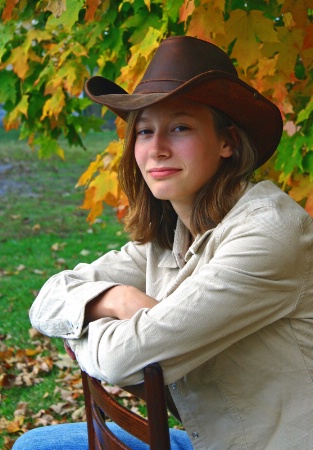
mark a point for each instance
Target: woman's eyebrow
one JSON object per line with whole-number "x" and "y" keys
{"x": 175, "y": 115}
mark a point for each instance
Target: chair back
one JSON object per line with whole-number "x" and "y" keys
{"x": 100, "y": 406}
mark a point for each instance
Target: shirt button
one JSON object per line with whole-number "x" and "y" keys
{"x": 174, "y": 386}
{"x": 195, "y": 435}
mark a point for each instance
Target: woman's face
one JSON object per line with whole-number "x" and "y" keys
{"x": 178, "y": 150}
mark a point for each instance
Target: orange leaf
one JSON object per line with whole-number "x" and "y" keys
{"x": 186, "y": 10}
{"x": 88, "y": 200}
{"x": 120, "y": 127}
{"x": 7, "y": 12}
{"x": 91, "y": 6}
{"x": 308, "y": 38}
{"x": 95, "y": 212}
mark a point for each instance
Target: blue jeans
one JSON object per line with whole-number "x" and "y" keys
{"x": 73, "y": 436}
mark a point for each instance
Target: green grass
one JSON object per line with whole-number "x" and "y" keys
{"x": 42, "y": 231}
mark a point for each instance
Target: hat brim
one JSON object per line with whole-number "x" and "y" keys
{"x": 250, "y": 110}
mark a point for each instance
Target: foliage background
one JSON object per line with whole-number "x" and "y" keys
{"x": 48, "y": 48}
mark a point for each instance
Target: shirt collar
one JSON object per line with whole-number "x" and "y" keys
{"x": 182, "y": 250}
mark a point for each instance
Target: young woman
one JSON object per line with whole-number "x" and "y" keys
{"x": 216, "y": 283}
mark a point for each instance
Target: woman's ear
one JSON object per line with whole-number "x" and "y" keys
{"x": 231, "y": 142}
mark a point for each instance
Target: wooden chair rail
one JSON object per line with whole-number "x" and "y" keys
{"x": 101, "y": 405}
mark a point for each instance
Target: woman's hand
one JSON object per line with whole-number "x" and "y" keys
{"x": 121, "y": 302}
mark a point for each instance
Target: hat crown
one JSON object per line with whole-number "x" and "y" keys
{"x": 179, "y": 59}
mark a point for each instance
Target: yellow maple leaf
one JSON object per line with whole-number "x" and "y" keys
{"x": 54, "y": 105}
{"x": 207, "y": 21}
{"x": 105, "y": 183}
{"x": 13, "y": 119}
{"x": 75, "y": 48}
{"x": 288, "y": 50}
{"x": 19, "y": 61}
{"x": 115, "y": 150}
{"x": 266, "y": 69}
{"x": 91, "y": 170}
{"x": 301, "y": 189}
{"x": 140, "y": 56}
{"x": 249, "y": 29}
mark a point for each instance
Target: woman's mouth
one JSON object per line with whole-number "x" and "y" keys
{"x": 162, "y": 172}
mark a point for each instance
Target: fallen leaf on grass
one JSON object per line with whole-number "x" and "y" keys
{"x": 58, "y": 246}
{"x": 84, "y": 252}
{"x": 21, "y": 409}
{"x": 38, "y": 272}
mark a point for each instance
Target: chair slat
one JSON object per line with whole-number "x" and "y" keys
{"x": 117, "y": 412}
{"x": 156, "y": 408}
{"x": 101, "y": 405}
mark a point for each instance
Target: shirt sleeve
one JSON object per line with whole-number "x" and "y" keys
{"x": 254, "y": 278}
{"x": 59, "y": 308}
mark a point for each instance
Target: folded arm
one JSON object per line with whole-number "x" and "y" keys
{"x": 120, "y": 302}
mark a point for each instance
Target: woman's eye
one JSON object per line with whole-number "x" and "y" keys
{"x": 143, "y": 132}
{"x": 181, "y": 128}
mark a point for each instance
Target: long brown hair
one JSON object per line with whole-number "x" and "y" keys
{"x": 150, "y": 219}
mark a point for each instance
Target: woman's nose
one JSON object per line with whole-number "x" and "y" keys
{"x": 160, "y": 146}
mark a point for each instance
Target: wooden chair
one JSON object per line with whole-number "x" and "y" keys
{"x": 100, "y": 405}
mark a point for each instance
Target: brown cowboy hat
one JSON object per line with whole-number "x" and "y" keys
{"x": 201, "y": 71}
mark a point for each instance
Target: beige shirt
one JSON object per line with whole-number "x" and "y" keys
{"x": 233, "y": 329}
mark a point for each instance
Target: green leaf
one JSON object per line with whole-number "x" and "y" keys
{"x": 6, "y": 31}
{"x": 290, "y": 153}
{"x": 308, "y": 162}
{"x": 304, "y": 114}
{"x": 68, "y": 18}
{"x": 48, "y": 147}
{"x": 7, "y": 86}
